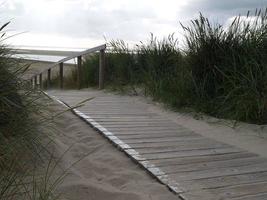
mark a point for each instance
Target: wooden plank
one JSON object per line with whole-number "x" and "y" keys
{"x": 88, "y": 51}
{"x": 160, "y": 140}
{"x": 111, "y": 120}
{"x": 134, "y": 122}
{"x": 190, "y": 153}
{"x": 108, "y": 113}
{"x": 212, "y": 165}
{"x": 180, "y": 148}
{"x": 142, "y": 125}
{"x": 101, "y": 68}
{"x": 43, "y": 52}
{"x": 100, "y": 118}
{"x": 201, "y": 159}
{"x": 115, "y": 112}
{"x": 194, "y": 175}
{"x": 217, "y": 182}
{"x": 228, "y": 192}
{"x": 140, "y": 129}
{"x": 61, "y": 75}
{"x": 180, "y": 143}
{"x": 259, "y": 196}
{"x": 200, "y": 144}
{"x": 148, "y": 132}
{"x": 153, "y": 135}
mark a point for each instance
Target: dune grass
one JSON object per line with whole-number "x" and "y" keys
{"x": 220, "y": 70}
{"x": 26, "y": 160}
{"x": 229, "y": 66}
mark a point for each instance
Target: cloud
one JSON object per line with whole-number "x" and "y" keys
{"x": 131, "y": 20}
{"x": 221, "y": 10}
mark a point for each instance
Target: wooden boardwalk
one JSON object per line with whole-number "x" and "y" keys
{"x": 195, "y": 167}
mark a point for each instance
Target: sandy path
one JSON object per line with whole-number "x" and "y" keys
{"x": 104, "y": 174}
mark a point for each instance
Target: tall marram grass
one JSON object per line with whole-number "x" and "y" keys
{"x": 229, "y": 67}
{"x": 162, "y": 70}
{"x": 23, "y": 141}
{"x": 220, "y": 71}
{"x": 121, "y": 67}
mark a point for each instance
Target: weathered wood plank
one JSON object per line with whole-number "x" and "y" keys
{"x": 194, "y": 175}
{"x": 136, "y": 125}
{"x": 217, "y": 182}
{"x": 160, "y": 140}
{"x": 201, "y": 159}
{"x": 127, "y": 134}
{"x": 147, "y": 135}
{"x": 213, "y": 165}
{"x": 259, "y": 196}
{"x": 190, "y": 153}
{"x": 134, "y": 122}
{"x": 180, "y": 148}
{"x": 180, "y": 143}
{"x": 94, "y": 49}
{"x": 142, "y": 129}
{"x": 228, "y": 192}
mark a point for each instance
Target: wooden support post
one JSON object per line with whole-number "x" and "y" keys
{"x": 79, "y": 72}
{"x": 48, "y": 78}
{"x": 61, "y": 75}
{"x": 35, "y": 82}
{"x": 40, "y": 81}
{"x": 101, "y": 69}
{"x": 31, "y": 82}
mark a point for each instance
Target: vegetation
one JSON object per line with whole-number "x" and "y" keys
{"x": 229, "y": 67}
{"x": 221, "y": 70}
{"x": 26, "y": 164}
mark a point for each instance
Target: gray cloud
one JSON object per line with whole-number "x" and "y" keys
{"x": 221, "y": 9}
{"x": 128, "y": 19}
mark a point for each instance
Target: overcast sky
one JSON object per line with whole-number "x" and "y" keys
{"x": 85, "y": 23}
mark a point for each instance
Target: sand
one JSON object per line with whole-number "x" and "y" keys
{"x": 104, "y": 172}
{"x": 250, "y": 137}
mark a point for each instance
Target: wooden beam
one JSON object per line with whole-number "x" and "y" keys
{"x": 31, "y": 82}
{"x": 35, "y": 81}
{"x": 48, "y": 78}
{"x": 98, "y": 48}
{"x": 75, "y": 55}
{"x": 79, "y": 72}
{"x": 40, "y": 81}
{"x": 101, "y": 69}
{"x": 61, "y": 75}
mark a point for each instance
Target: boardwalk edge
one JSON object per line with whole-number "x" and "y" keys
{"x": 157, "y": 173}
